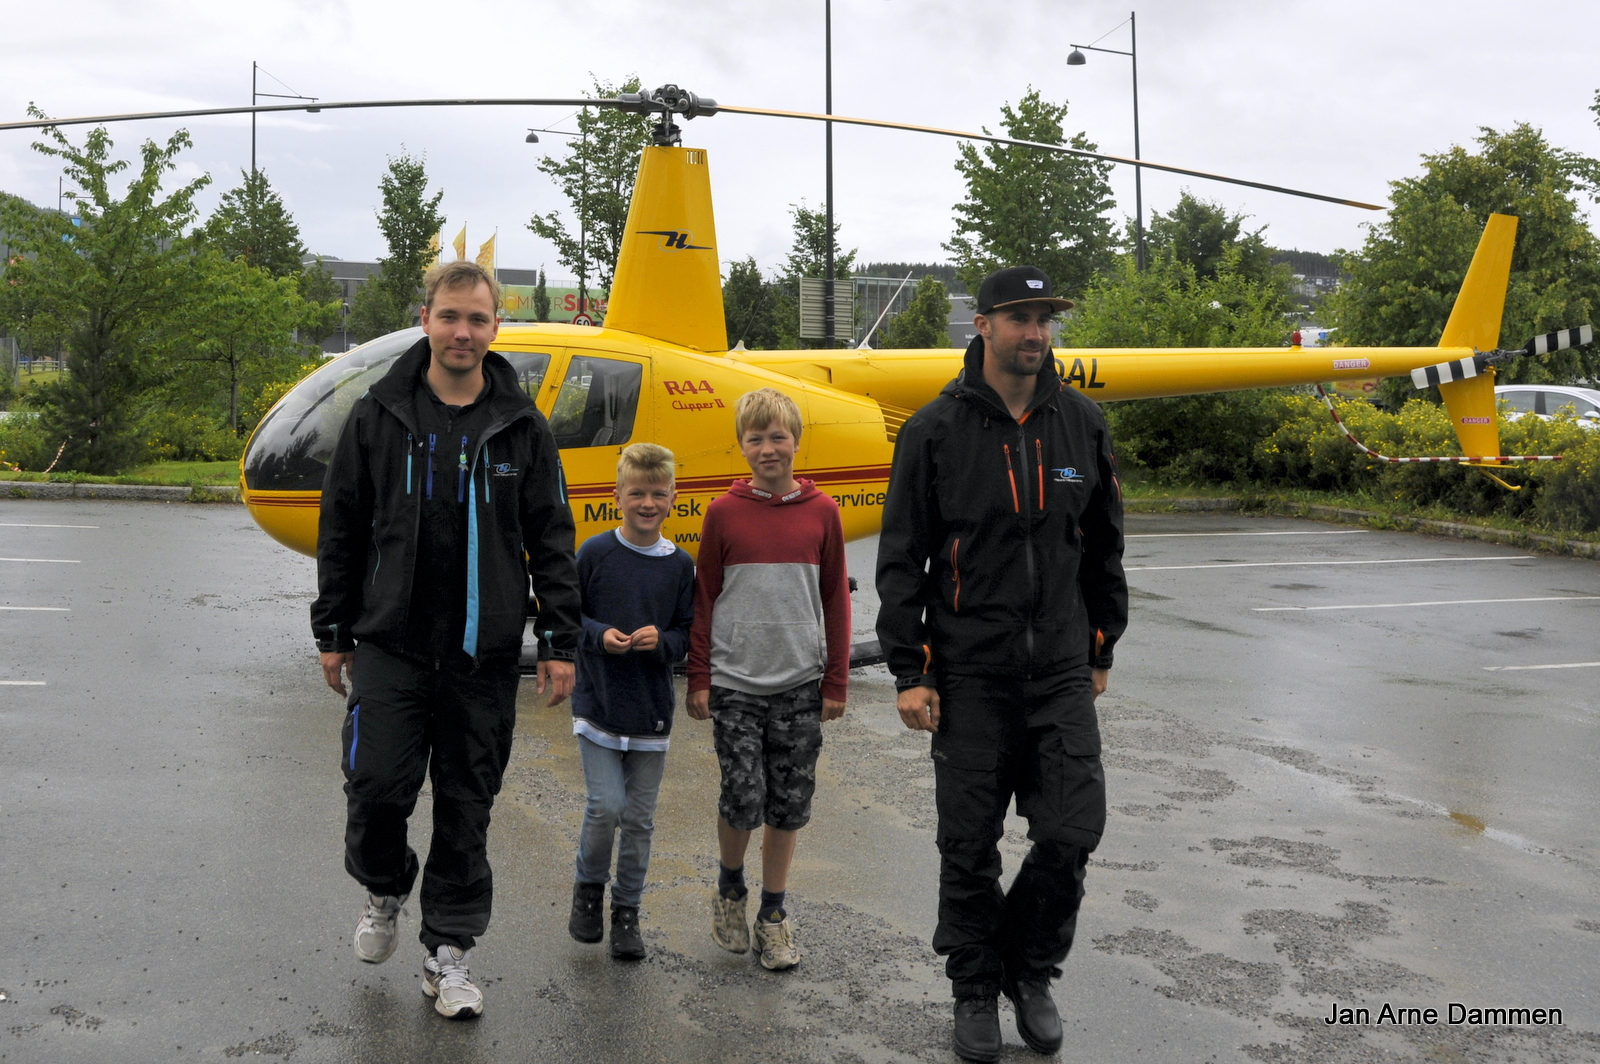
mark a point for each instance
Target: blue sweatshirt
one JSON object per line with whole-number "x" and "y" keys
{"x": 629, "y": 697}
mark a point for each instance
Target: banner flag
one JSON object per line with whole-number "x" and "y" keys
{"x": 460, "y": 244}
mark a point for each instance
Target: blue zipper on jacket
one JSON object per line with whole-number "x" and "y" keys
{"x": 461, "y": 473}
{"x": 409, "y": 449}
{"x": 432, "y": 440}
{"x": 469, "y": 642}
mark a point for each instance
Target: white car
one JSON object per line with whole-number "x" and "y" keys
{"x": 1546, "y": 400}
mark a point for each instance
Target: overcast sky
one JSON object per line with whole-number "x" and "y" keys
{"x": 1337, "y": 97}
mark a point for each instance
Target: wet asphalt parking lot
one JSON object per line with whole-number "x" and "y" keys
{"x": 1347, "y": 768}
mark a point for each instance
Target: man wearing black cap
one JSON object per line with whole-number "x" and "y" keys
{"x": 1000, "y": 575}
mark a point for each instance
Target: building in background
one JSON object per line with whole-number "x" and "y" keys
{"x": 518, "y": 290}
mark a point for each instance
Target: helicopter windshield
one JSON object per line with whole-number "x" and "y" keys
{"x": 290, "y": 450}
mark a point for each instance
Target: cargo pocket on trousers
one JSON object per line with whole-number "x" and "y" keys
{"x": 966, "y": 792}
{"x": 1074, "y": 786}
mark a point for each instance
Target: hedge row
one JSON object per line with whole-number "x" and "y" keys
{"x": 1285, "y": 438}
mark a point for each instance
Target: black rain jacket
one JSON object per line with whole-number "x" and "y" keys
{"x": 518, "y": 523}
{"x": 1001, "y": 552}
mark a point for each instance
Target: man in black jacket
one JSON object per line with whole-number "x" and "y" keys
{"x": 443, "y": 497}
{"x": 1000, "y": 576}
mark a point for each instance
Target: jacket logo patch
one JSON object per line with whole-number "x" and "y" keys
{"x": 504, "y": 469}
{"x": 1067, "y": 475}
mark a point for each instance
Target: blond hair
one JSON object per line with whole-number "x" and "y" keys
{"x": 457, "y": 275}
{"x": 647, "y": 462}
{"x": 763, "y": 407}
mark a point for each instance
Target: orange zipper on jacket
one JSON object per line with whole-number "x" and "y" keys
{"x": 1038, "y": 450}
{"x": 955, "y": 566}
{"x": 1011, "y": 472}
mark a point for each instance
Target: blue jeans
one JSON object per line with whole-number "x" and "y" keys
{"x": 623, "y": 786}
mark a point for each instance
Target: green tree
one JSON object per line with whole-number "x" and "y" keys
{"x": 234, "y": 327}
{"x": 105, "y": 281}
{"x": 750, "y": 305}
{"x": 324, "y": 302}
{"x": 1027, "y": 206}
{"x": 808, "y": 258}
{"x": 926, "y": 320}
{"x": 597, "y": 178}
{"x": 409, "y": 219}
{"x": 541, "y": 299}
{"x": 251, "y": 223}
{"x": 1199, "y": 232}
{"x": 1403, "y": 282}
{"x": 1188, "y": 438}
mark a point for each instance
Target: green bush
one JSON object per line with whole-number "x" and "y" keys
{"x": 23, "y": 442}
{"x": 175, "y": 436}
{"x": 1280, "y": 439}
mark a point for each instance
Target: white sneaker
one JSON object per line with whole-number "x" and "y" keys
{"x": 376, "y": 933}
{"x": 445, "y": 978}
{"x": 730, "y": 928}
{"x": 775, "y": 940}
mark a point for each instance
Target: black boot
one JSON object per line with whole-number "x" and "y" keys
{"x": 977, "y": 1033}
{"x": 626, "y": 942}
{"x": 588, "y": 922}
{"x": 1037, "y": 1019}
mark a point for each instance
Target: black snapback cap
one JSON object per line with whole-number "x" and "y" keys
{"x": 1017, "y": 284}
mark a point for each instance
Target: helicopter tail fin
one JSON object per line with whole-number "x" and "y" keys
{"x": 1475, "y": 323}
{"x": 668, "y": 283}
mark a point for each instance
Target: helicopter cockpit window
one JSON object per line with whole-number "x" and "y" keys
{"x": 290, "y": 450}
{"x": 531, "y": 367}
{"x": 597, "y": 402}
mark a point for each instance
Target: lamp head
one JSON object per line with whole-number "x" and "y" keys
{"x": 531, "y": 138}
{"x": 1076, "y": 58}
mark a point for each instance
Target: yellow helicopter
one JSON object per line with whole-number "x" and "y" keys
{"x": 660, "y": 369}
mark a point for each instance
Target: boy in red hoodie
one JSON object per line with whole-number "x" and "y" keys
{"x": 769, "y": 661}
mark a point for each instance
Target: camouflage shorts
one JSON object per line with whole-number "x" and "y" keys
{"x": 767, "y": 746}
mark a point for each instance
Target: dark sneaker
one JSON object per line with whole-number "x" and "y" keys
{"x": 1038, "y": 1021}
{"x": 977, "y": 1031}
{"x": 588, "y": 920}
{"x": 626, "y": 942}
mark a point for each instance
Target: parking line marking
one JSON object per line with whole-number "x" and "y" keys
{"x": 1198, "y": 535}
{"x": 1519, "y": 668}
{"x": 21, "y": 683}
{"x": 9, "y": 524}
{"x": 1438, "y": 602}
{"x": 52, "y": 561}
{"x": 1370, "y": 561}
{"x": 38, "y": 609}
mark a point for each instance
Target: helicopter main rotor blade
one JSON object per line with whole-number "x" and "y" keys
{"x": 1061, "y": 148}
{"x": 643, "y": 104}
{"x": 204, "y": 112}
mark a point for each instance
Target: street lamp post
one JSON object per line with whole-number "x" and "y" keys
{"x": 1077, "y": 58}
{"x": 583, "y": 210}
{"x": 827, "y": 271}
{"x": 255, "y": 95}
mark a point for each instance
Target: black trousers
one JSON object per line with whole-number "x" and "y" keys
{"x": 407, "y": 720}
{"x": 1037, "y": 740}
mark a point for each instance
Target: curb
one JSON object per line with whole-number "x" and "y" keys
{"x": 123, "y": 492}
{"x": 1344, "y": 515}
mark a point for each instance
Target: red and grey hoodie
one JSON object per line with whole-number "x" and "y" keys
{"x": 1001, "y": 551}
{"x": 772, "y": 597}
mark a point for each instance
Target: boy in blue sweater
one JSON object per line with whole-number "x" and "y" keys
{"x": 638, "y": 599}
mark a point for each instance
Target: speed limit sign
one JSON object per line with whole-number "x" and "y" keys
{"x": 581, "y": 318}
